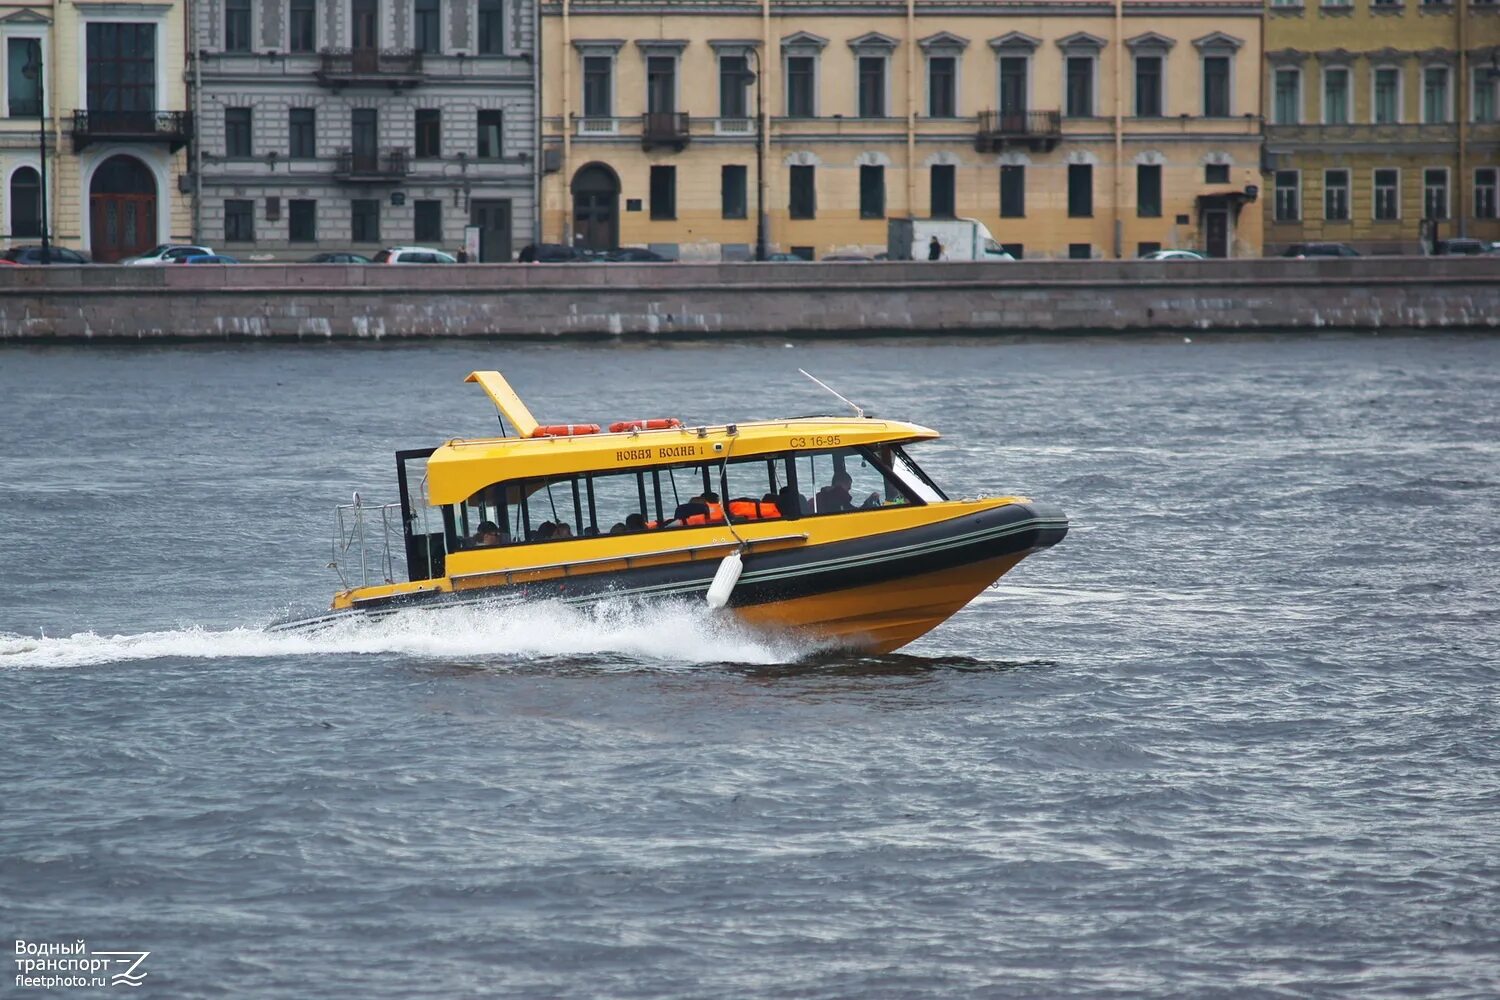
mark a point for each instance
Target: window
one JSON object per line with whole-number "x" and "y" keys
{"x": 1435, "y": 193}
{"x": 1336, "y": 195}
{"x": 236, "y": 25}
{"x": 364, "y": 220}
{"x": 732, "y": 199}
{"x": 1145, "y": 247}
{"x": 1216, "y": 173}
{"x": 598, "y": 86}
{"x": 1387, "y": 103}
{"x": 1485, "y": 85}
{"x": 734, "y": 84}
{"x": 25, "y": 203}
{"x": 427, "y": 224}
{"x": 1080, "y": 190}
{"x": 1387, "y": 195}
{"x": 121, "y": 66}
{"x": 1288, "y": 196}
{"x": 429, "y": 132}
{"x": 1016, "y": 250}
{"x": 942, "y": 87}
{"x": 941, "y": 188}
{"x": 1080, "y": 251}
{"x": 490, "y": 132}
{"x": 491, "y": 28}
{"x": 302, "y": 138}
{"x": 1288, "y": 109}
{"x": 237, "y": 130}
{"x": 1014, "y": 71}
{"x": 25, "y": 97}
{"x": 1485, "y": 183}
{"x": 872, "y": 192}
{"x": 364, "y": 26}
{"x": 1148, "y": 86}
{"x": 302, "y": 220}
{"x": 800, "y": 86}
{"x": 303, "y": 27}
{"x": 429, "y": 26}
{"x": 1012, "y": 191}
{"x": 1148, "y": 191}
{"x": 1080, "y": 86}
{"x": 661, "y": 85}
{"x": 1335, "y": 96}
{"x": 1435, "y": 94}
{"x": 663, "y": 192}
{"x": 804, "y": 193}
{"x": 872, "y": 86}
{"x": 1216, "y": 86}
{"x": 239, "y": 220}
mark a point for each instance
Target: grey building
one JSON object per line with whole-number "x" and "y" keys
{"x": 360, "y": 124}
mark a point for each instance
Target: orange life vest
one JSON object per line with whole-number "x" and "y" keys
{"x": 753, "y": 510}
{"x": 715, "y": 515}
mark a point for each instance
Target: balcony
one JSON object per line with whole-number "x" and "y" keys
{"x": 175, "y": 128}
{"x": 375, "y": 167}
{"x": 665, "y": 128}
{"x": 1037, "y": 130}
{"x": 392, "y": 68}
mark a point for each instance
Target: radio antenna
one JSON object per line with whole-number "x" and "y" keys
{"x": 858, "y": 411}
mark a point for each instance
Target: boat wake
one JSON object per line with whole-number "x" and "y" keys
{"x": 664, "y": 633}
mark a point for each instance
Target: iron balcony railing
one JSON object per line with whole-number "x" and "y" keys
{"x": 665, "y": 128}
{"x": 339, "y": 67}
{"x": 1040, "y": 129}
{"x": 372, "y": 165}
{"x": 172, "y": 127}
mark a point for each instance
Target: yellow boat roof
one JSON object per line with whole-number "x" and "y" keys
{"x": 460, "y": 468}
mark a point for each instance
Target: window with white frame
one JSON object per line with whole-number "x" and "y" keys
{"x": 1336, "y": 195}
{"x": 1485, "y": 183}
{"x": 1216, "y": 86}
{"x": 1336, "y": 95}
{"x": 1288, "y": 195}
{"x": 1015, "y": 72}
{"x": 734, "y": 86}
{"x": 801, "y": 86}
{"x": 942, "y": 86}
{"x": 1287, "y": 109}
{"x": 1387, "y": 194}
{"x": 1080, "y": 86}
{"x": 1386, "y": 103}
{"x": 1435, "y": 94}
{"x": 1486, "y": 88}
{"x": 23, "y": 76}
{"x": 1148, "y": 84}
{"x": 1435, "y": 193}
{"x": 598, "y": 78}
{"x": 871, "y": 86}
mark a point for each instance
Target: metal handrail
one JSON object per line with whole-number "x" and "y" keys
{"x": 349, "y": 533}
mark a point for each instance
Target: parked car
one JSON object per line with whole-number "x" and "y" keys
{"x": 337, "y": 258}
{"x": 847, "y": 258}
{"x": 554, "y": 253}
{"x": 1320, "y": 250}
{"x": 413, "y": 255}
{"x": 30, "y": 254}
{"x": 165, "y": 253}
{"x": 1462, "y": 247}
{"x": 785, "y": 258}
{"x": 1174, "y": 255}
{"x": 208, "y": 258}
{"x": 635, "y": 255}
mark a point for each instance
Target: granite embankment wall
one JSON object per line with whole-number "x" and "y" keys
{"x": 370, "y": 302}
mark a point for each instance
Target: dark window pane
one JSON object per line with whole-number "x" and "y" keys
{"x": 429, "y": 30}
{"x": 1148, "y": 86}
{"x": 734, "y": 73}
{"x": 942, "y": 184}
{"x": 237, "y": 132}
{"x": 804, "y": 198}
{"x": 732, "y": 185}
{"x": 491, "y": 28}
{"x": 428, "y": 226}
{"x": 872, "y": 192}
{"x": 872, "y": 86}
{"x": 365, "y": 220}
{"x": 942, "y": 81}
{"x": 663, "y": 192}
{"x": 490, "y": 134}
{"x": 1216, "y": 86}
{"x": 121, "y": 66}
{"x": 303, "y": 140}
{"x": 1080, "y": 86}
{"x": 1216, "y": 173}
{"x": 429, "y": 132}
{"x": 661, "y": 85}
{"x": 302, "y": 220}
{"x": 800, "y": 78}
{"x": 1080, "y": 251}
{"x": 23, "y": 57}
{"x": 236, "y": 25}
{"x": 1148, "y": 191}
{"x": 1080, "y": 190}
{"x": 304, "y": 26}
{"x": 25, "y": 203}
{"x": 597, "y": 74}
{"x": 1012, "y": 191}
{"x": 239, "y": 220}
{"x": 1013, "y": 72}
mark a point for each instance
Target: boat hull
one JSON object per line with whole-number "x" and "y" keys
{"x": 874, "y": 592}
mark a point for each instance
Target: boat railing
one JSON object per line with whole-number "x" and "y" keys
{"x": 353, "y": 525}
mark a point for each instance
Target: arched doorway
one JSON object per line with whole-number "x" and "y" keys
{"x": 25, "y": 203}
{"x": 596, "y": 208}
{"x": 122, "y": 209}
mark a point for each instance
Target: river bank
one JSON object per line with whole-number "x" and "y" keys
{"x": 299, "y": 302}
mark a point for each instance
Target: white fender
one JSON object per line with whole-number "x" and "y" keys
{"x": 724, "y": 580}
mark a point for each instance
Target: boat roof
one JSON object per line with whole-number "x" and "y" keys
{"x": 462, "y": 467}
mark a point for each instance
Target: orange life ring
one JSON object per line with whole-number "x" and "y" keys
{"x": 659, "y": 424}
{"x": 564, "y": 430}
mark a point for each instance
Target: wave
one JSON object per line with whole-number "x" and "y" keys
{"x": 677, "y": 632}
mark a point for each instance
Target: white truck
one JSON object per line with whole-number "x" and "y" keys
{"x": 959, "y": 239}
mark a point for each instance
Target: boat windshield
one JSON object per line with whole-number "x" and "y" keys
{"x": 911, "y": 475}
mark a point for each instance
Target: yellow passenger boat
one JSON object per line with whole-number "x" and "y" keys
{"x": 822, "y": 526}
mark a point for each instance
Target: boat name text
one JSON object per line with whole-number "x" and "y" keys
{"x": 669, "y": 451}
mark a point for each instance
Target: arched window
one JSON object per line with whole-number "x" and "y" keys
{"x": 25, "y": 203}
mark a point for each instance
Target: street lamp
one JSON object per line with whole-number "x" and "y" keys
{"x": 759, "y": 79}
{"x": 33, "y": 71}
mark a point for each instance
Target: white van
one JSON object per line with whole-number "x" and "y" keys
{"x": 958, "y": 239}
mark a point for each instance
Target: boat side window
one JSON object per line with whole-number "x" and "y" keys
{"x": 847, "y": 479}
{"x": 911, "y": 474}
{"x": 758, "y": 489}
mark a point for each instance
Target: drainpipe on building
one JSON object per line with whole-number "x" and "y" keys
{"x": 50, "y": 205}
{"x": 911, "y": 111}
{"x": 763, "y": 135}
{"x": 567, "y": 124}
{"x": 1463, "y": 83}
{"x": 1119, "y": 125}
{"x": 538, "y": 154}
{"x": 197, "y": 84}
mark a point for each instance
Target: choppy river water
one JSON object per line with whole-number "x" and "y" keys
{"x": 1235, "y": 736}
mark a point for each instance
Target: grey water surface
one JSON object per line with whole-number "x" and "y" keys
{"x": 1235, "y": 736}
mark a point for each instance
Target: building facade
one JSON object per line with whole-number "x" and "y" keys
{"x": 332, "y": 125}
{"x": 1382, "y": 122}
{"x": 99, "y": 86}
{"x": 1072, "y": 128}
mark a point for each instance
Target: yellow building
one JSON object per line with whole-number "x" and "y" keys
{"x": 1071, "y": 128}
{"x": 101, "y": 85}
{"x": 1382, "y": 122}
